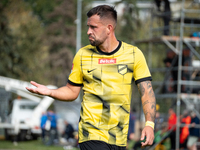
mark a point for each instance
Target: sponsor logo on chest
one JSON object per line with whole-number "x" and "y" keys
{"x": 107, "y": 61}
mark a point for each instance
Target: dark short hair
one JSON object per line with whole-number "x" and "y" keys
{"x": 104, "y": 11}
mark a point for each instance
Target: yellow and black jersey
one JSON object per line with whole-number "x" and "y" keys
{"x": 107, "y": 84}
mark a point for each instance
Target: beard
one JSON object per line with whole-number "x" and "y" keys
{"x": 95, "y": 42}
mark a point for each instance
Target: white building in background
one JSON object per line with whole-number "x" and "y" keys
{"x": 144, "y": 6}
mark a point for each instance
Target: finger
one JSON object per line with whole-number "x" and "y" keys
{"x": 142, "y": 136}
{"x": 149, "y": 140}
{"x": 146, "y": 141}
{"x": 34, "y": 83}
{"x": 30, "y": 89}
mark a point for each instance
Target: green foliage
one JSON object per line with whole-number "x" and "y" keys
{"x": 129, "y": 23}
{"x": 85, "y": 9}
{"x": 42, "y": 8}
{"x": 38, "y": 38}
{"x": 21, "y": 45}
{"x": 60, "y": 36}
{"x": 6, "y": 40}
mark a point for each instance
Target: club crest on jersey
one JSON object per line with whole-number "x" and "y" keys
{"x": 107, "y": 61}
{"x": 122, "y": 69}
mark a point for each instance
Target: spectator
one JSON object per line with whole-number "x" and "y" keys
{"x": 184, "y": 132}
{"x": 166, "y": 15}
{"x": 172, "y": 127}
{"x": 172, "y": 62}
{"x": 42, "y": 125}
{"x": 69, "y": 131}
{"x": 194, "y": 132}
{"x": 53, "y": 128}
{"x": 158, "y": 122}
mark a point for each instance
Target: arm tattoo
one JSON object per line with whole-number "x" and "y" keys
{"x": 149, "y": 105}
{"x": 141, "y": 89}
{"x": 153, "y": 107}
{"x": 148, "y": 84}
{"x": 146, "y": 102}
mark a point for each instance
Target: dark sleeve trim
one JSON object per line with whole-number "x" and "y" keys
{"x": 143, "y": 79}
{"x": 75, "y": 84}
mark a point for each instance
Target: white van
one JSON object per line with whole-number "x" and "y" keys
{"x": 20, "y": 121}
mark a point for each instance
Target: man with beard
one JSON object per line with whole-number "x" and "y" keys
{"x": 105, "y": 70}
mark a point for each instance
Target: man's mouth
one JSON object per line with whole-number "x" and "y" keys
{"x": 90, "y": 38}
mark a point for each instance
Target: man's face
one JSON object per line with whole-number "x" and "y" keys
{"x": 96, "y": 30}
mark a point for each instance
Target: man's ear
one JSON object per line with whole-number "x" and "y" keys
{"x": 110, "y": 28}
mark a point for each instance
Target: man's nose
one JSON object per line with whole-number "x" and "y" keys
{"x": 88, "y": 31}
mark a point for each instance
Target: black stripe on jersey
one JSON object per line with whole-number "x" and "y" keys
{"x": 112, "y": 136}
{"x": 75, "y": 84}
{"x": 143, "y": 79}
{"x": 85, "y": 133}
{"x": 92, "y": 125}
{"x": 105, "y": 115}
{"x": 96, "y": 78}
{"x": 85, "y": 80}
{"x": 85, "y": 129}
{"x": 120, "y": 126}
{"x": 124, "y": 109}
{"x": 105, "y": 104}
{"x": 130, "y": 68}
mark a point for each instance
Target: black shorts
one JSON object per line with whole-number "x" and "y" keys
{"x": 99, "y": 145}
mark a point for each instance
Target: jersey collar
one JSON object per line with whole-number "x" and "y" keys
{"x": 111, "y": 53}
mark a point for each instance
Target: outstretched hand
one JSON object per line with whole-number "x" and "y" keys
{"x": 40, "y": 89}
{"x": 149, "y": 134}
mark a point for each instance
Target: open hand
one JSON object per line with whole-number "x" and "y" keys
{"x": 40, "y": 89}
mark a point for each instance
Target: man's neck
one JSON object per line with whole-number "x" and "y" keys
{"x": 109, "y": 46}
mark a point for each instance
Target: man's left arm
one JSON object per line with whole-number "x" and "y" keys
{"x": 149, "y": 108}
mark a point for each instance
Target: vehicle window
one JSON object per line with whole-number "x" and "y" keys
{"x": 30, "y": 107}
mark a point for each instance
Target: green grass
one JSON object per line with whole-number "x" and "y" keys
{"x": 28, "y": 145}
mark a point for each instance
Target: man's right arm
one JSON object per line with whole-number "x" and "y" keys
{"x": 65, "y": 93}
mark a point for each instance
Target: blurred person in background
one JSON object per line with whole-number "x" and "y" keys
{"x": 42, "y": 125}
{"x": 166, "y": 14}
{"x": 194, "y": 132}
{"x": 184, "y": 130}
{"x": 172, "y": 127}
{"x": 53, "y": 134}
{"x": 69, "y": 131}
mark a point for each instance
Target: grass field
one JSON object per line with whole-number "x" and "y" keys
{"x": 29, "y": 145}
{"x": 32, "y": 145}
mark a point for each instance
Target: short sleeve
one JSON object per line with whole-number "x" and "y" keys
{"x": 76, "y": 76}
{"x": 141, "y": 71}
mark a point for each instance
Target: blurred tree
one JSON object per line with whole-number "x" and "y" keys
{"x": 22, "y": 51}
{"x": 60, "y": 36}
{"x": 59, "y": 18}
{"x": 7, "y": 42}
{"x": 86, "y": 6}
{"x": 41, "y": 8}
{"x": 129, "y": 23}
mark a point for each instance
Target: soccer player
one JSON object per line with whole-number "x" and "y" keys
{"x": 105, "y": 71}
